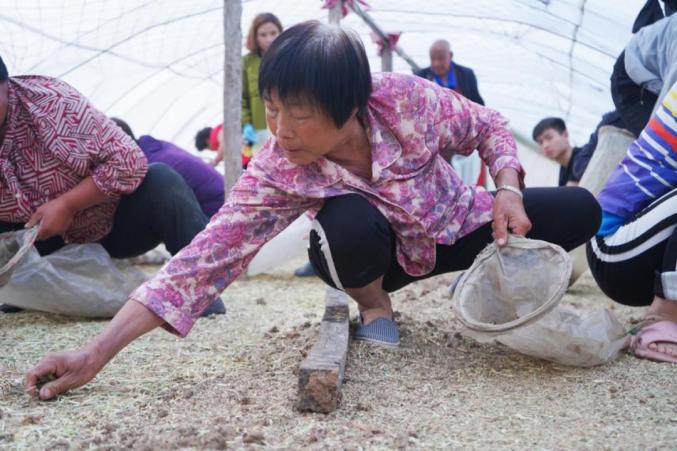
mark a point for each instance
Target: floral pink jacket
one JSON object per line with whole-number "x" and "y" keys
{"x": 414, "y": 127}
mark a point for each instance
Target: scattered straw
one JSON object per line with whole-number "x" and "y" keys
{"x": 232, "y": 383}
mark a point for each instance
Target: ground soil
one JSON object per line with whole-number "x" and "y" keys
{"x": 232, "y": 383}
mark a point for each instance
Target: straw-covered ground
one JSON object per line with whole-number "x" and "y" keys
{"x": 232, "y": 384}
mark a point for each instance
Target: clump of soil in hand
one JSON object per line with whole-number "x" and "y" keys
{"x": 44, "y": 380}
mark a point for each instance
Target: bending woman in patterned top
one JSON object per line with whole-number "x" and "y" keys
{"x": 369, "y": 158}
{"x": 70, "y": 169}
{"x": 634, "y": 255}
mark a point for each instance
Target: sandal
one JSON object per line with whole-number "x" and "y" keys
{"x": 658, "y": 332}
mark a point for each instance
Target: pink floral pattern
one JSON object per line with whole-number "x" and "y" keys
{"x": 414, "y": 127}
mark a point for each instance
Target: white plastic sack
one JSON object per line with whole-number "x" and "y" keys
{"x": 77, "y": 280}
{"x": 511, "y": 294}
{"x": 570, "y": 337}
{"x": 291, "y": 243}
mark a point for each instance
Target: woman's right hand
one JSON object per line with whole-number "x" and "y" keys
{"x": 54, "y": 217}
{"x": 65, "y": 370}
{"x": 73, "y": 369}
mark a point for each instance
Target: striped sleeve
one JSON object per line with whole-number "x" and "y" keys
{"x": 649, "y": 168}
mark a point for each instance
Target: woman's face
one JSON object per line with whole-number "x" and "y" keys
{"x": 266, "y": 34}
{"x": 304, "y": 133}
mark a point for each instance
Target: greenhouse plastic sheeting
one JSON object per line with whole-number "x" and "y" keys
{"x": 159, "y": 64}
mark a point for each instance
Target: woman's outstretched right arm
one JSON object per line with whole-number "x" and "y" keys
{"x": 174, "y": 298}
{"x": 73, "y": 369}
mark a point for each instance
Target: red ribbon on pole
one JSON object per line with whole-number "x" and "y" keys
{"x": 345, "y": 5}
{"x": 392, "y": 41}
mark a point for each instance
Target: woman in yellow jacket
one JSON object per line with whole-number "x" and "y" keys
{"x": 263, "y": 31}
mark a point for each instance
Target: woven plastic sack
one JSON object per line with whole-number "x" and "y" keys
{"x": 511, "y": 295}
{"x": 77, "y": 280}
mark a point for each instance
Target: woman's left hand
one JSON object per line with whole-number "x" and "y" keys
{"x": 509, "y": 217}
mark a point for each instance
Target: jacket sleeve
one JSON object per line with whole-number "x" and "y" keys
{"x": 649, "y": 169}
{"x": 253, "y": 214}
{"x": 464, "y": 126}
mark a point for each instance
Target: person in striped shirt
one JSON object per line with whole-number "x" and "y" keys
{"x": 633, "y": 257}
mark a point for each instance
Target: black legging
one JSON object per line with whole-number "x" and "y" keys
{"x": 362, "y": 245}
{"x": 639, "y": 260}
{"x": 163, "y": 209}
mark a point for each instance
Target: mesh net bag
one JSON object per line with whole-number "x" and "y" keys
{"x": 511, "y": 295}
{"x": 511, "y": 286}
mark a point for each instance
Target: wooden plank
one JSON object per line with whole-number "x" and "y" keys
{"x": 321, "y": 373}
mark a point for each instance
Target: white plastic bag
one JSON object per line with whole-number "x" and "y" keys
{"x": 291, "y": 243}
{"x": 77, "y": 280}
{"x": 570, "y": 337}
{"x": 511, "y": 294}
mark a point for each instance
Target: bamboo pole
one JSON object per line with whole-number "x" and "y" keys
{"x": 387, "y": 58}
{"x": 232, "y": 92}
{"x": 335, "y": 13}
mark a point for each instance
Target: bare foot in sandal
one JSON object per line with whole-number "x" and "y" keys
{"x": 657, "y": 338}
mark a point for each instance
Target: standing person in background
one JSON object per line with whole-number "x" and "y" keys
{"x": 263, "y": 31}
{"x": 207, "y": 184}
{"x": 448, "y": 74}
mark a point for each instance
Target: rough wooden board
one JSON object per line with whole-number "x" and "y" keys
{"x": 321, "y": 373}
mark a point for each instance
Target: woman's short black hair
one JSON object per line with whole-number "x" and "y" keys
{"x": 4, "y": 75}
{"x": 202, "y": 138}
{"x": 321, "y": 64}
{"x": 548, "y": 123}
